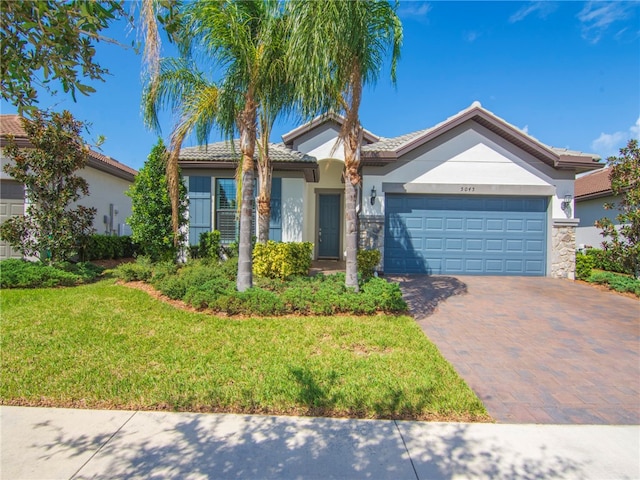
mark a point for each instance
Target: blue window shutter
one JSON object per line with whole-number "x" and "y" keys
{"x": 199, "y": 207}
{"x": 275, "y": 222}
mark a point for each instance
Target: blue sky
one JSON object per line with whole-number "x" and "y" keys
{"x": 568, "y": 73}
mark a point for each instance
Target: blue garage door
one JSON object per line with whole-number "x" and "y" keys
{"x": 465, "y": 235}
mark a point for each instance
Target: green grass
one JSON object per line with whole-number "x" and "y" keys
{"x": 108, "y": 346}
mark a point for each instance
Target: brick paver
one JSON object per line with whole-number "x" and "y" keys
{"x": 536, "y": 350}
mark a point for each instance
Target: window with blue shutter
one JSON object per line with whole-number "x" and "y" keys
{"x": 275, "y": 222}
{"x": 199, "y": 207}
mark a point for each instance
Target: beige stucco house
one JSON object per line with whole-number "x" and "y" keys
{"x": 108, "y": 180}
{"x": 471, "y": 195}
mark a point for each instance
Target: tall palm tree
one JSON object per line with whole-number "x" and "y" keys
{"x": 235, "y": 39}
{"x": 335, "y": 48}
{"x": 273, "y": 101}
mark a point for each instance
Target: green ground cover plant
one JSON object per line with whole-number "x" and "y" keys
{"x": 617, "y": 282}
{"x": 22, "y": 274}
{"x": 204, "y": 284}
{"x": 104, "y": 345}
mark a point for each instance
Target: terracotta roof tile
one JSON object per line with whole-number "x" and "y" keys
{"x": 12, "y": 125}
{"x": 593, "y": 184}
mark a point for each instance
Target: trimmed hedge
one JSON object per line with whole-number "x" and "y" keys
{"x": 106, "y": 247}
{"x": 605, "y": 260}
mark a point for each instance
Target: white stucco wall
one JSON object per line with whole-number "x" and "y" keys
{"x": 321, "y": 142}
{"x": 104, "y": 190}
{"x": 471, "y": 160}
{"x": 293, "y": 213}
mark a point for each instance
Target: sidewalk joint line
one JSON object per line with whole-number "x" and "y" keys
{"x": 407, "y": 450}
{"x": 102, "y": 446}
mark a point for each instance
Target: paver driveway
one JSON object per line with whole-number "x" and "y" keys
{"x": 536, "y": 350}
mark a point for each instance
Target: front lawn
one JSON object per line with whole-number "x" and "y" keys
{"x": 107, "y": 346}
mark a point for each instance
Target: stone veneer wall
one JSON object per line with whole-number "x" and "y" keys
{"x": 371, "y": 230}
{"x": 563, "y": 251}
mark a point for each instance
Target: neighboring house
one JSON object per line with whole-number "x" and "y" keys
{"x": 471, "y": 195}
{"x": 592, "y": 191}
{"x": 108, "y": 180}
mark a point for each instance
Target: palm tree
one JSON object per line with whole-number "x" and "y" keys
{"x": 335, "y": 48}
{"x": 236, "y": 38}
{"x": 276, "y": 100}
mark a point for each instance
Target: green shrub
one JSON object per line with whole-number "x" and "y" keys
{"x": 140, "y": 270}
{"x": 193, "y": 275}
{"x": 605, "y": 260}
{"x": 23, "y": 274}
{"x": 210, "y": 247}
{"x": 162, "y": 270}
{"x": 207, "y": 294}
{"x": 367, "y": 262}
{"x": 253, "y": 301}
{"x": 173, "y": 287}
{"x": 386, "y": 295}
{"x": 101, "y": 247}
{"x": 619, "y": 283}
{"x": 584, "y": 266}
{"x": 282, "y": 259}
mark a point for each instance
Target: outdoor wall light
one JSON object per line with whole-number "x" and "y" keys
{"x": 567, "y": 201}
{"x": 373, "y": 195}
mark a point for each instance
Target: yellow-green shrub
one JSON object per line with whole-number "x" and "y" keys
{"x": 282, "y": 259}
{"x": 367, "y": 262}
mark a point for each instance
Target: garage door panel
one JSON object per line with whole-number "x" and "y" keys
{"x": 474, "y": 245}
{"x": 434, "y": 244}
{"x": 495, "y": 236}
{"x": 494, "y": 245}
{"x": 534, "y": 246}
{"x": 475, "y": 225}
{"x": 454, "y": 224}
{"x": 535, "y": 226}
{"x": 434, "y": 224}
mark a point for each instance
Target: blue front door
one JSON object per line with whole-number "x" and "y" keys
{"x": 329, "y": 226}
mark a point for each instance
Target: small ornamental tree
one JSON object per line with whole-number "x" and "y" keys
{"x": 624, "y": 241}
{"x": 51, "y": 230}
{"x": 151, "y": 206}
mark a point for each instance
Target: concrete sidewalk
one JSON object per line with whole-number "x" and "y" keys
{"x": 51, "y": 443}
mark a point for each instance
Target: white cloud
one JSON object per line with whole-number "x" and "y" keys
{"x": 471, "y": 36}
{"x": 416, "y": 10}
{"x": 608, "y": 144}
{"x": 597, "y": 17}
{"x": 542, "y": 9}
{"x": 525, "y": 129}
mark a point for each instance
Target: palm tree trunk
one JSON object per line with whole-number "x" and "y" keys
{"x": 265, "y": 173}
{"x": 264, "y": 208}
{"x": 352, "y": 179}
{"x": 352, "y": 141}
{"x": 247, "y": 123}
{"x": 173, "y": 182}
